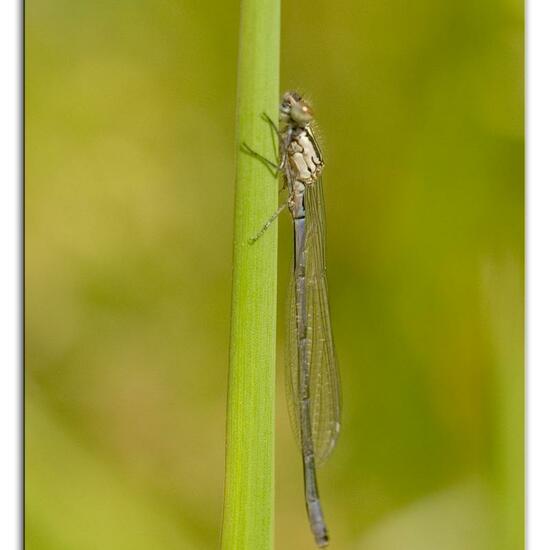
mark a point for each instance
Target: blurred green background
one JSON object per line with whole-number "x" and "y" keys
{"x": 130, "y": 162}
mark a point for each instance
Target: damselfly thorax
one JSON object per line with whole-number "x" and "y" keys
{"x": 302, "y": 163}
{"x": 304, "y": 156}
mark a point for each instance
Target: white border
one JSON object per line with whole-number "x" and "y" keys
{"x": 538, "y": 274}
{"x": 10, "y": 273}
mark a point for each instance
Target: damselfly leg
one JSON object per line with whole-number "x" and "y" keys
{"x": 266, "y": 225}
{"x": 273, "y": 168}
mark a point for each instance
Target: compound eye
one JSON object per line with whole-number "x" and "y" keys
{"x": 301, "y": 113}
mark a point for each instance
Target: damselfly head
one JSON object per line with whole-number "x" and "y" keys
{"x": 295, "y": 110}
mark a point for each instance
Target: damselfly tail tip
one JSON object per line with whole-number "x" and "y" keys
{"x": 322, "y": 540}
{"x": 319, "y": 528}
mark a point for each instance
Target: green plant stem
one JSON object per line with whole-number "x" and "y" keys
{"x": 249, "y": 470}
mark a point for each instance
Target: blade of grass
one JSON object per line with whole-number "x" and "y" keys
{"x": 249, "y": 470}
{"x": 504, "y": 290}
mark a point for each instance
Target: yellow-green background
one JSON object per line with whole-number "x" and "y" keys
{"x": 130, "y": 161}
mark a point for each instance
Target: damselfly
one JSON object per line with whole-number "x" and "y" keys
{"x": 312, "y": 381}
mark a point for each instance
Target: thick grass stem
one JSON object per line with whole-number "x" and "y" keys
{"x": 249, "y": 474}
